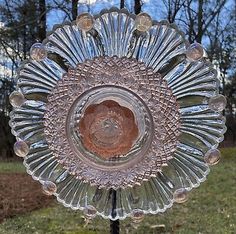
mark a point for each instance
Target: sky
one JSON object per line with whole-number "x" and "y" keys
{"x": 95, "y": 6}
{"x": 154, "y": 8}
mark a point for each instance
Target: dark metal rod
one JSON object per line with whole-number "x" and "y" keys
{"x": 114, "y": 225}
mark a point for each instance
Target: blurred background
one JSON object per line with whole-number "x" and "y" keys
{"x": 209, "y": 22}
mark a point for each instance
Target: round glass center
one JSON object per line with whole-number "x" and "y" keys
{"x": 108, "y": 129}
{"x": 109, "y": 124}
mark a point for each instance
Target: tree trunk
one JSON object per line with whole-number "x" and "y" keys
{"x": 200, "y": 21}
{"x": 7, "y": 140}
{"x": 137, "y": 6}
{"x": 122, "y": 4}
{"x": 24, "y": 41}
{"x": 42, "y": 20}
{"x": 223, "y": 86}
{"x": 74, "y": 9}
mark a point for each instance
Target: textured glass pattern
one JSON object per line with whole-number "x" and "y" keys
{"x": 160, "y": 83}
{"x": 105, "y": 79}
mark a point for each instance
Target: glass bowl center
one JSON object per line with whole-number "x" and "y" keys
{"x": 108, "y": 129}
{"x": 109, "y": 124}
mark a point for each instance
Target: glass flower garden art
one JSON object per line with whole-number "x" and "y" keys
{"x": 117, "y": 102}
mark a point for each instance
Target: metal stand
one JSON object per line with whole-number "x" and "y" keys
{"x": 114, "y": 225}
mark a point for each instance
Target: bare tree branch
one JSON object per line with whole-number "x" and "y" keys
{"x": 173, "y": 7}
{"x": 213, "y": 15}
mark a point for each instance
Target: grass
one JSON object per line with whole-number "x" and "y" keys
{"x": 211, "y": 208}
{"x": 53, "y": 220}
{"x": 12, "y": 167}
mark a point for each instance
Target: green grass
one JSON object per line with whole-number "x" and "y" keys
{"x": 12, "y": 167}
{"x": 53, "y": 220}
{"x": 211, "y": 208}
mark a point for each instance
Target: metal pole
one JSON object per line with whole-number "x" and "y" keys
{"x": 114, "y": 225}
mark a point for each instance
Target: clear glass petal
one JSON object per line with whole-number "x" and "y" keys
{"x": 27, "y": 121}
{"x": 201, "y": 127}
{"x": 192, "y": 79}
{"x": 115, "y": 30}
{"x": 72, "y": 44}
{"x": 158, "y": 47}
{"x": 37, "y": 79}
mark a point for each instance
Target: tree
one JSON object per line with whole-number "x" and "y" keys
{"x": 230, "y": 92}
{"x": 122, "y": 4}
{"x": 6, "y": 138}
{"x": 74, "y": 9}
{"x": 137, "y": 6}
{"x": 173, "y": 7}
{"x": 42, "y": 28}
{"x": 221, "y": 51}
{"x": 198, "y": 16}
{"x": 25, "y": 22}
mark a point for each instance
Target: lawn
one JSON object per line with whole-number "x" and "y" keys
{"x": 211, "y": 208}
{"x": 11, "y": 167}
